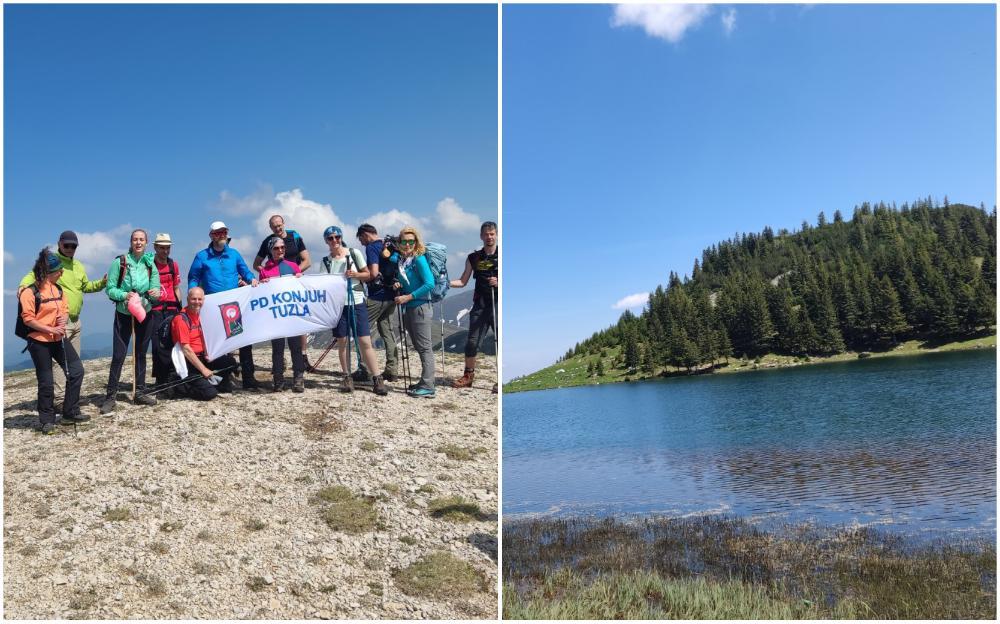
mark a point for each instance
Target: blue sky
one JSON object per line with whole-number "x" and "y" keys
{"x": 634, "y": 139}
{"x": 170, "y": 117}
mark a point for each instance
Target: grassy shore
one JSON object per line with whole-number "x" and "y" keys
{"x": 724, "y": 568}
{"x": 573, "y": 372}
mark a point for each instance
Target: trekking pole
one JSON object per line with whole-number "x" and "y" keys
{"x": 135, "y": 368}
{"x": 404, "y": 352}
{"x": 65, "y": 367}
{"x": 180, "y": 382}
{"x": 496, "y": 332}
{"x": 441, "y": 309}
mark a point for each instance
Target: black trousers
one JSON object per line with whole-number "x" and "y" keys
{"x": 278, "y": 356}
{"x": 200, "y": 389}
{"x": 122, "y": 334}
{"x": 42, "y": 354}
{"x": 246, "y": 365}
{"x": 162, "y": 365}
{"x": 480, "y": 319}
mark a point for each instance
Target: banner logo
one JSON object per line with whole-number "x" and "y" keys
{"x": 232, "y": 319}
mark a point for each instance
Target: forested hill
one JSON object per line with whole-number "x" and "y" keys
{"x": 887, "y": 274}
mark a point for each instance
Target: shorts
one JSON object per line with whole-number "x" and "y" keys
{"x": 361, "y": 321}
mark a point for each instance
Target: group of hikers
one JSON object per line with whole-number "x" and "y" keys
{"x": 390, "y": 277}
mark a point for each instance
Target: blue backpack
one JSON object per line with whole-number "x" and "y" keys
{"x": 437, "y": 260}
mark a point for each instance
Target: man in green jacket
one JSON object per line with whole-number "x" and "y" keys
{"x": 74, "y": 283}
{"x": 135, "y": 272}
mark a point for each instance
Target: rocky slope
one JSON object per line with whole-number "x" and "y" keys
{"x": 226, "y": 509}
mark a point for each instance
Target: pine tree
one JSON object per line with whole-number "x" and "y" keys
{"x": 889, "y": 319}
{"x": 600, "y": 368}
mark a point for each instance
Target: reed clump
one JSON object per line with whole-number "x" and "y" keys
{"x": 715, "y": 567}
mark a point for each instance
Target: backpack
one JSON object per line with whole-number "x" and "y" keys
{"x": 164, "y": 336}
{"x": 166, "y": 305}
{"x": 124, "y": 267}
{"x": 20, "y": 329}
{"x": 437, "y": 260}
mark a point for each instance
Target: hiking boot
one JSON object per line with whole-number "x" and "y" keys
{"x": 299, "y": 384}
{"x": 74, "y": 419}
{"x": 279, "y": 384}
{"x": 251, "y": 385}
{"x": 379, "y": 387}
{"x": 145, "y": 399}
{"x": 48, "y": 428}
{"x": 389, "y": 376}
{"x": 422, "y": 393}
{"x": 465, "y": 381}
{"x": 361, "y": 376}
{"x": 108, "y": 406}
{"x": 347, "y": 385}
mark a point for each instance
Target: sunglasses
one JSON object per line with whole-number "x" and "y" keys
{"x": 70, "y": 245}
{"x": 333, "y": 237}
{"x": 220, "y": 232}
{"x": 407, "y": 242}
{"x": 276, "y": 247}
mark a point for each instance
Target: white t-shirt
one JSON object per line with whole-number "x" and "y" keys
{"x": 338, "y": 266}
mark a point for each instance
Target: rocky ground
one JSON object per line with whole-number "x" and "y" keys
{"x": 229, "y": 510}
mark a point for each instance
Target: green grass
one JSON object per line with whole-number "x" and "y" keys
{"x": 118, "y": 514}
{"x": 347, "y": 512}
{"x": 455, "y": 452}
{"x": 710, "y": 567}
{"x": 574, "y": 370}
{"x": 648, "y": 596}
{"x": 454, "y": 509}
{"x": 439, "y": 575}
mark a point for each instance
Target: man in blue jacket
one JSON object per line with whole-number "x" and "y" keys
{"x": 219, "y": 267}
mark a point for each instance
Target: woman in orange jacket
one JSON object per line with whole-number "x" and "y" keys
{"x": 44, "y": 312}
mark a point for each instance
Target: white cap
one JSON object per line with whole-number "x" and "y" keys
{"x": 217, "y": 225}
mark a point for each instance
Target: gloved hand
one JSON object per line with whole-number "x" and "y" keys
{"x": 214, "y": 380}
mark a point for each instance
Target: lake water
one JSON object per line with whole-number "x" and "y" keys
{"x": 908, "y": 442}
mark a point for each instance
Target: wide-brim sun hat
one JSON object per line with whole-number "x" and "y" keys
{"x": 163, "y": 239}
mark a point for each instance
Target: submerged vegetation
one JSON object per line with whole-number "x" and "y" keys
{"x": 724, "y": 568}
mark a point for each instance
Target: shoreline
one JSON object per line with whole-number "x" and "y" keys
{"x": 727, "y": 568}
{"x": 768, "y": 362}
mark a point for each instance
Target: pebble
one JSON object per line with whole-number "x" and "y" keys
{"x": 228, "y": 459}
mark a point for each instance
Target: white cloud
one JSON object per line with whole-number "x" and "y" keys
{"x": 454, "y": 219}
{"x": 8, "y": 258}
{"x": 257, "y": 202}
{"x": 246, "y": 246}
{"x": 456, "y": 264}
{"x": 392, "y": 221}
{"x": 729, "y": 21}
{"x": 632, "y": 301}
{"x": 665, "y": 21}
{"x": 98, "y": 248}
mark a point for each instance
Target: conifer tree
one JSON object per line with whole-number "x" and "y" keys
{"x": 889, "y": 319}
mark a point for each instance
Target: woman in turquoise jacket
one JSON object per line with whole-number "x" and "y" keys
{"x": 416, "y": 281}
{"x": 128, "y": 273}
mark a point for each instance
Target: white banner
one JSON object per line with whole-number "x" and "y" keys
{"x": 281, "y": 308}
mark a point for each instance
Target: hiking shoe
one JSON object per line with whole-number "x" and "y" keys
{"x": 347, "y": 385}
{"x": 361, "y": 376}
{"x": 422, "y": 393}
{"x": 465, "y": 381}
{"x": 226, "y": 385}
{"x": 251, "y": 385}
{"x": 278, "y": 385}
{"x": 145, "y": 399}
{"x": 389, "y": 376}
{"x": 299, "y": 384}
{"x": 48, "y": 428}
{"x": 379, "y": 387}
{"x": 108, "y": 406}
{"x": 74, "y": 419}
